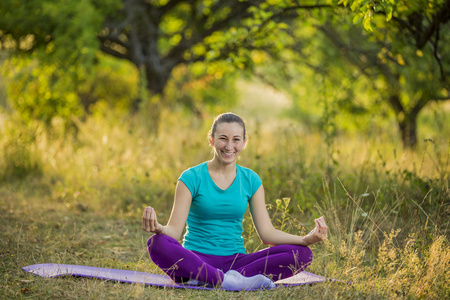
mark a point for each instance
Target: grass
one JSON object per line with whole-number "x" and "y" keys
{"x": 79, "y": 201}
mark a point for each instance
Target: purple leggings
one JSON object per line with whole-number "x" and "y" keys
{"x": 180, "y": 264}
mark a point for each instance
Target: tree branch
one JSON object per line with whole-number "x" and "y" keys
{"x": 238, "y": 13}
{"x": 113, "y": 39}
{"x": 434, "y": 46}
{"x": 114, "y": 53}
{"x": 441, "y": 17}
{"x": 335, "y": 38}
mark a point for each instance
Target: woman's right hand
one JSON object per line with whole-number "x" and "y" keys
{"x": 150, "y": 222}
{"x": 319, "y": 233}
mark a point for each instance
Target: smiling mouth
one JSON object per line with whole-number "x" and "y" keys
{"x": 228, "y": 154}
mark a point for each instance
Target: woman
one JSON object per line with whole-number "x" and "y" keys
{"x": 211, "y": 200}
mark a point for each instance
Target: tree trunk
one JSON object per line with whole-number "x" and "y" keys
{"x": 408, "y": 130}
{"x": 154, "y": 83}
{"x": 406, "y": 120}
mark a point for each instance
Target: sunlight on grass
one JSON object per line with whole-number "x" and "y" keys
{"x": 76, "y": 196}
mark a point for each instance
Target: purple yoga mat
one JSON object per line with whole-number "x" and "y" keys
{"x": 56, "y": 270}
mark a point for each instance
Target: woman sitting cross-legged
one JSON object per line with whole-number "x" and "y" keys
{"x": 211, "y": 199}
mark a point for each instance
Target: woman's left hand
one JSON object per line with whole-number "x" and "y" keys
{"x": 319, "y": 233}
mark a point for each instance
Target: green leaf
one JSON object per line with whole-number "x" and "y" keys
{"x": 367, "y": 22}
{"x": 357, "y": 18}
{"x": 389, "y": 13}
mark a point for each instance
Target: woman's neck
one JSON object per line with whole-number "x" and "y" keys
{"x": 216, "y": 166}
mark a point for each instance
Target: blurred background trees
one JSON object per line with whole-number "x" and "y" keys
{"x": 103, "y": 103}
{"x": 384, "y": 59}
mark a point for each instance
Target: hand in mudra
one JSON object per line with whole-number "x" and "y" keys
{"x": 319, "y": 233}
{"x": 150, "y": 222}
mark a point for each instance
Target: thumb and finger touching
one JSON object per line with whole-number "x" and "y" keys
{"x": 149, "y": 220}
{"x": 321, "y": 227}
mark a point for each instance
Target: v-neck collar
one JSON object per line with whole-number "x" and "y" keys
{"x": 214, "y": 184}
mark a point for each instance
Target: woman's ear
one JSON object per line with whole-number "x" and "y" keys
{"x": 211, "y": 140}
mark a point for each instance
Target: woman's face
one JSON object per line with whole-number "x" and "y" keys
{"x": 228, "y": 141}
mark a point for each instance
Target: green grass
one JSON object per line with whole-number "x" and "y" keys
{"x": 37, "y": 231}
{"x": 79, "y": 201}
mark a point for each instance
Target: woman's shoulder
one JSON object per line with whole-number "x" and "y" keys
{"x": 247, "y": 171}
{"x": 195, "y": 170}
{"x": 192, "y": 178}
{"x": 250, "y": 179}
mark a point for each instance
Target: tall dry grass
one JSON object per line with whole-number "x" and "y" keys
{"x": 387, "y": 208}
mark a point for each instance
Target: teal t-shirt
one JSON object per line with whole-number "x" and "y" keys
{"x": 214, "y": 223}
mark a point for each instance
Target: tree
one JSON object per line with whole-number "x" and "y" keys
{"x": 401, "y": 50}
{"x": 158, "y": 35}
{"x": 154, "y": 35}
{"x": 408, "y": 50}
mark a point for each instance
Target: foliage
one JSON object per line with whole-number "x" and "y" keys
{"x": 202, "y": 88}
{"x": 114, "y": 83}
{"x": 406, "y": 79}
{"x": 79, "y": 200}
{"x": 365, "y": 10}
{"x": 402, "y": 54}
{"x": 84, "y": 204}
{"x": 154, "y": 36}
{"x": 38, "y": 93}
{"x": 387, "y": 70}
{"x": 19, "y": 155}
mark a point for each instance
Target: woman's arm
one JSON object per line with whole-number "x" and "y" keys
{"x": 178, "y": 216}
{"x": 271, "y": 236}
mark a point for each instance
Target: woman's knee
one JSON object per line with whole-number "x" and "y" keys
{"x": 154, "y": 239}
{"x": 303, "y": 254}
{"x": 158, "y": 242}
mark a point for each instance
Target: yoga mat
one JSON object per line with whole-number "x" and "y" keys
{"x": 56, "y": 270}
